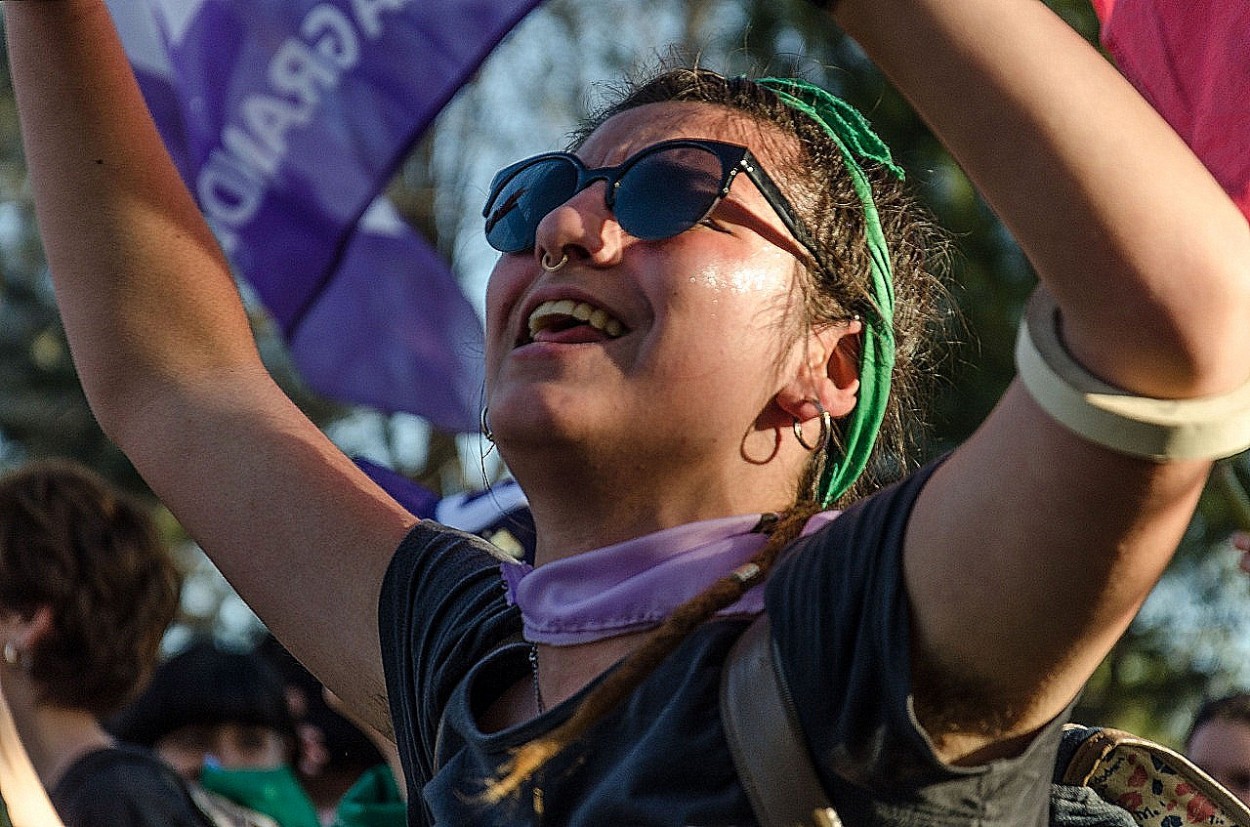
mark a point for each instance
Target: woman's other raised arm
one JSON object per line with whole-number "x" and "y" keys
{"x": 166, "y": 356}
{"x": 1032, "y": 548}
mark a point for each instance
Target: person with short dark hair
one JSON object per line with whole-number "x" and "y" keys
{"x": 220, "y": 718}
{"x": 87, "y": 589}
{"x": 210, "y": 704}
{"x": 1219, "y": 742}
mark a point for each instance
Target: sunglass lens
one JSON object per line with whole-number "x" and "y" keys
{"x": 524, "y": 199}
{"x": 667, "y": 192}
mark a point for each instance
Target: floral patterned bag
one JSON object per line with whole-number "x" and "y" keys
{"x": 1156, "y": 786}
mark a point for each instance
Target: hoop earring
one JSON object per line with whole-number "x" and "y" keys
{"x": 551, "y": 268}
{"x": 485, "y": 426}
{"x": 826, "y": 428}
{"x": 11, "y": 656}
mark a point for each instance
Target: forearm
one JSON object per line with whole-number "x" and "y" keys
{"x": 1146, "y": 255}
{"x": 165, "y": 352}
{"x": 141, "y": 283}
{"x": 1150, "y": 263}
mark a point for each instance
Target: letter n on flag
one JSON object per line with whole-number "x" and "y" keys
{"x": 286, "y": 119}
{"x": 1191, "y": 60}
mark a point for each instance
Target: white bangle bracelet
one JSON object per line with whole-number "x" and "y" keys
{"x": 1211, "y": 427}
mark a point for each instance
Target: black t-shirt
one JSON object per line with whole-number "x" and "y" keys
{"x": 839, "y": 613}
{"x": 124, "y": 786}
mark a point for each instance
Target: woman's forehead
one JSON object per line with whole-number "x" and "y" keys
{"x": 624, "y": 134}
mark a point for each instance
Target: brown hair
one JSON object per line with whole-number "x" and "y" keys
{"x": 1233, "y": 708}
{"x": 822, "y": 192}
{"x": 70, "y": 542}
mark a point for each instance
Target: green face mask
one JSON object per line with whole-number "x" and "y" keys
{"x": 373, "y": 801}
{"x": 275, "y": 792}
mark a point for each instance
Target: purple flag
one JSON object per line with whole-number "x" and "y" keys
{"x": 286, "y": 119}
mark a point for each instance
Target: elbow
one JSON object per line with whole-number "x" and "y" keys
{"x": 1176, "y": 337}
{"x": 1204, "y": 335}
{"x": 120, "y": 403}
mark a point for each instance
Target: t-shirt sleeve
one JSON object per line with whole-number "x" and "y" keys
{"x": 841, "y": 623}
{"x": 442, "y": 609}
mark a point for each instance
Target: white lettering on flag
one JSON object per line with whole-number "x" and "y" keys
{"x": 231, "y": 186}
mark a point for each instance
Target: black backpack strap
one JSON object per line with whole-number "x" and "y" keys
{"x": 765, "y": 739}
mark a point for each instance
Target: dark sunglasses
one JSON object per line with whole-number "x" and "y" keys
{"x": 656, "y": 193}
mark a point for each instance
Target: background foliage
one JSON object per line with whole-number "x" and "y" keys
{"x": 1189, "y": 640}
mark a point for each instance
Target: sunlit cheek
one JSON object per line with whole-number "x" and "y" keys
{"x": 753, "y": 296}
{"x": 742, "y": 280}
{"x": 743, "y": 265}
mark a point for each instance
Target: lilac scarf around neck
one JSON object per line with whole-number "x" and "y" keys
{"x": 634, "y": 585}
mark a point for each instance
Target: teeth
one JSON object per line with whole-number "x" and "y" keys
{"x": 596, "y": 317}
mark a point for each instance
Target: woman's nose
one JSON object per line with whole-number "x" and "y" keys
{"x": 582, "y": 228}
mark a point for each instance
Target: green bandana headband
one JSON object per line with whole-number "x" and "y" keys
{"x": 855, "y": 139}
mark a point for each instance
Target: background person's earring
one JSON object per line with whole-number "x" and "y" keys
{"x": 11, "y": 656}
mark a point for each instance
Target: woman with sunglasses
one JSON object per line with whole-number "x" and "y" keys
{"x": 701, "y": 334}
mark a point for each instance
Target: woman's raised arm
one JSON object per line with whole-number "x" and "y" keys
{"x": 166, "y": 356}
{"x": 1032, "y": 547}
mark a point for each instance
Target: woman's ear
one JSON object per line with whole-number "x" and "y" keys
{"x": 21, "y": 633}
{"x": 32, "y": 628}
{"x": 828, "y": 373}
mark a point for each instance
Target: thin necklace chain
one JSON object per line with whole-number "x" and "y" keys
{"x": 538, "y": 690}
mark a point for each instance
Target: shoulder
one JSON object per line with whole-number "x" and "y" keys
{"x": 119, "y": 764}
{"x": 442, "y": 610}
{"x": 441, "y": 583}
{"x": 442, "y": 572}
{"x": 841, "y": 628}
{"x": 124, "y": 786}
{"x": 862, "y": 544}
{"x": 431, "y": 549}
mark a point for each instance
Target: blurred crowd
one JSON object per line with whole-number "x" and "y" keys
{"x": 101, "y": 728}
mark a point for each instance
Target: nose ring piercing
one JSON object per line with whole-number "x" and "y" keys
{"x": 551, "y": 268}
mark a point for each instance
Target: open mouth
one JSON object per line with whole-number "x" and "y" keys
{"x": 566, "y": 316}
